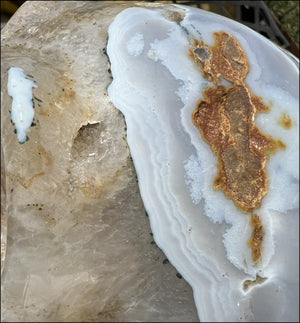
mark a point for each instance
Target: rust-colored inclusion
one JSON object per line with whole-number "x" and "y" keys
{"x": 285, "y": 121}
{"x": 257, "y": 237}
{"x": 225, "y": 117}
{"x": 225, "y": 59}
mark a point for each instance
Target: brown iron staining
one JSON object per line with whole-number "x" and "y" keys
{"x": 240, "y": 146}
{"x": 225, "y": 59}
{"x": 285, "y": 121}
{"x": 225, "y": 118}
{"x": 257, "y": 237}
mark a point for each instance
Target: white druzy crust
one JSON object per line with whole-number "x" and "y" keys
{"x": 156, "y": 85}
{"x": 22, "y": 111}
{"x": 135, "y": 45}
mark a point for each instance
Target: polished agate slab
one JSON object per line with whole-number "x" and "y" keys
{"x": 79, "y": 243}
{"x": 157, "y": 86}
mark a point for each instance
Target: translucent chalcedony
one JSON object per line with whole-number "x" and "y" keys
{"x": 203, "y": 233}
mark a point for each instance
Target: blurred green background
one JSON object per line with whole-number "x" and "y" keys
{"x": 287, "y": 13}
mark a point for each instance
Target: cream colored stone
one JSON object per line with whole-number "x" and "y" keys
{"x": 78, "y": 243}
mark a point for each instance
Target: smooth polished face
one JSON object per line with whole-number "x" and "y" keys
{"x": 221, "y": 242}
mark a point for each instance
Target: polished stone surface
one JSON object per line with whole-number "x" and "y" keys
{"x": 157, "y": 86}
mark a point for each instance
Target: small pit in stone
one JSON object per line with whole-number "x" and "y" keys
{"x": 87, "y": 153}
{"x": 85, "y": 140}
{"x": 251, "y": 283}
{"x": 95, "y": 169}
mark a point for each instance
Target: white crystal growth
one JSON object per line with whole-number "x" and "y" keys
{"x": 22, "y": 111}
{"x": 135, "y": 45}
{"x": 156, "y": 85}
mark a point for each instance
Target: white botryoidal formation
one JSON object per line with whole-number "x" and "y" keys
{"x": 22, "y": 110}
{"x": 156, "y": 85}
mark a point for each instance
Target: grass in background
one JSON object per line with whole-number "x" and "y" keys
{"x": 287, "y": 12}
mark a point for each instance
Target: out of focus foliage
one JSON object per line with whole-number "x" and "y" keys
{"x": 287, "y": 12}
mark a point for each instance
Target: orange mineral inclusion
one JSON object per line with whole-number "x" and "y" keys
{"x": 285, "y": 121}
{"x": 257, "y": 237}
{"x": 225, "y": 118}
